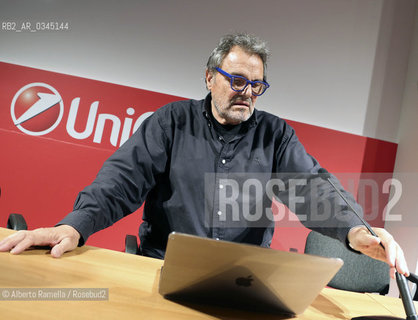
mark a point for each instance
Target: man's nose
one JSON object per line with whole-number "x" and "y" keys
{"x": 247, "y": 92}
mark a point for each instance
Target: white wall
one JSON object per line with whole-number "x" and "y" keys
{"x": 406, "y": 169}
{"x": 330, "y": 66}
{"x": 390, "y": 67}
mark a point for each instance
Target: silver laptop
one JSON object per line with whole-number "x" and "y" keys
{"x": 209, "y": 271}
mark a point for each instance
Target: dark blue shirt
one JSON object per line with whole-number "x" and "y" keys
{"x": 179, "y": 165}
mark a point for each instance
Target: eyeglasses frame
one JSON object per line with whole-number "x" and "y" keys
{"x": 231, "y": 78}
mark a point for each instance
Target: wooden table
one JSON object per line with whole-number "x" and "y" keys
{"x": 132, "y": 282}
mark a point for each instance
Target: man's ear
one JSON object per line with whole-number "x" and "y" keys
{"x": 210, "y": 77}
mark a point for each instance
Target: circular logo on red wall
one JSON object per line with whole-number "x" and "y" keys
{"x": 37, "y": 109}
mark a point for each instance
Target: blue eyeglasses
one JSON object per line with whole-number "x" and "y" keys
{"x": 239, "y": 83}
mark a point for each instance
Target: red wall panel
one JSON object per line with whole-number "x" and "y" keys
{"x": 40, "y": 176}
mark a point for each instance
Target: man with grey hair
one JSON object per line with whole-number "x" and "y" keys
{"x": 176, "y": 162}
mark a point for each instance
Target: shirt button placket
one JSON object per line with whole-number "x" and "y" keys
{"x": 221, "y": 171}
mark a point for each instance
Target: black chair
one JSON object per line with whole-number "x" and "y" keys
{"x": 131, "y": 244}
{"x": 359, "y": 273}
{"x": 16, "y": 222}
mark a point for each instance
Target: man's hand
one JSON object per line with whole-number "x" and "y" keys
{"x": 61, "y": 239}
{"x": 361, "y": 240}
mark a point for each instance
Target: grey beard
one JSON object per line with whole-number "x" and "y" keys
{"x": 232, "y": 117}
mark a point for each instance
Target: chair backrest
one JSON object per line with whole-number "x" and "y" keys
{"x": 359, "y": 273}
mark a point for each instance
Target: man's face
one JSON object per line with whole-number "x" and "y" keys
{"x": 228, "y": 106}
